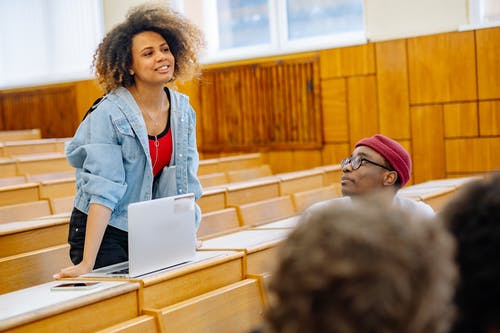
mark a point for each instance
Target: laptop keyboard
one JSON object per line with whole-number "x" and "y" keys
{"x": 121, "y": 271}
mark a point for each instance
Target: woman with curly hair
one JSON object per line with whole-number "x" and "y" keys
{"x": 139, "y": 141}
{"x": 363, "y": 268}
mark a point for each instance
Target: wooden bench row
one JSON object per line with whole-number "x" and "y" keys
{"x": 226, "y": 308}
{"x": 34, "y": 164}
{"x": 221, "y": 290}
{"x": 28, "y": 241}
{"x": 30, "y": 147}
{"x": 234, "y": 194}
{"x": 16, "y": 135}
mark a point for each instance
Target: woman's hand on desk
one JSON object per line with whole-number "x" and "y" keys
{"x": 73, "y": 271}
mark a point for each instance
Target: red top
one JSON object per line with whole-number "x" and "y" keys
{"x": 161, "y": 157}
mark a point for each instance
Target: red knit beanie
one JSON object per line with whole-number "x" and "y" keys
{"x": 393, "y": 152}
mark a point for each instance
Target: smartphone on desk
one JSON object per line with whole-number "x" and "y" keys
{"x": 75, "y": 286}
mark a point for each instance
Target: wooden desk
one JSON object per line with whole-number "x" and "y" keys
{"x": 141, "y": 324}
{"x": 42, "y": 163}
{"x": 212, "y": 199}
{"x": 210, "y": 270}
{"x": 219, "y": 221}
{"x": 239, "y": 175}
{"x": 26, "y": 134}
{"x": 331, "y": 173}
{"x": 38, "y": 309}
{"x": 24, "y": 211}
{"x": 251, "y": 191}
{"x": 236, "y": 308}
{"x": 25, "y": 236}
{"x": 7, "y": 167}
{"x": 208, "y": 166}
{"x": 14, "y": 194}
{"x": 293, "y": 182}
{"x": 241, "y": 161}
{"x": 9, "y": 181}
{"x": 265, "y": 211}
{"x": 290, "y": 223}
{"x": 213, "y": 179}
{"x": 435, "y": 197}
{"x": 31, "y": 268}
{"x": 27, "y": 147}
{"x": 259, "y": 246}
{"x": 304, "y": 199}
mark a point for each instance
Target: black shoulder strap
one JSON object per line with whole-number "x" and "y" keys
{"x": 93, "y": 107}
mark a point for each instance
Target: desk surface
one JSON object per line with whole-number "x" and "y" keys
{"x": 30, "y": 304}
{"x": 251, "y": 240}
{"x": 290, "y": 222}
{"x": 202, "y": 260}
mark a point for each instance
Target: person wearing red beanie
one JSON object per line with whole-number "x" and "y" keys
{"x": 379, "y": 165}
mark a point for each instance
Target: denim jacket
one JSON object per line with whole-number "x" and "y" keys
{"x": 110, "y": 152}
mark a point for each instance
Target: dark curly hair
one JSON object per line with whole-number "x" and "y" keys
{"x": 363, "y": 269}
{"x": 113, "y": 57}
{"x": 473, "y": 217}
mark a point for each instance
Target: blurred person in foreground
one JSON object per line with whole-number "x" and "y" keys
{"x": 363, "y": 268}
{"x": 473, "y": 217}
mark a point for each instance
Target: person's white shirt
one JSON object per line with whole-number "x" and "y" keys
{"x": 399, "y": 202}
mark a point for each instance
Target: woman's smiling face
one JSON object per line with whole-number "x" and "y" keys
{"x": 152, "y": 60}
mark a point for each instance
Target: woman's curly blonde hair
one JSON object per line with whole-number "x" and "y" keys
{"x": 113, "y": 57}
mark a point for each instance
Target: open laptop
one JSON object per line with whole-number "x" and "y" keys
{"x": 161, "y": 234}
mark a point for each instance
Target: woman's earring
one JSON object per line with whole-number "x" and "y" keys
{"x": 131, "y": 72}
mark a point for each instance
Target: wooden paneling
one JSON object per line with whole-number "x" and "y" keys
{"x": 465, "y": 156}
{"x": 334, "y": 98}
{"x": 347, "y": 61}
{"x": 86, "y": 93}
{"x": 362, "y": 105}
{"x": 334, "y": 153}
{"x": 392, "y": 84}
{"x": 460, "y": 120}
{"x": 489, "y": 118}
{"x": 488, "y": 63}
{"x": 428, "y": 145}
{"x": 274, "y": 104}
{"x": 284, "y": 161}
{"x": 442, "y": 68}
{"x": 52, "y": 109}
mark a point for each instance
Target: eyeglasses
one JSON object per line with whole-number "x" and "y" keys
{"x": 357, "y": 161}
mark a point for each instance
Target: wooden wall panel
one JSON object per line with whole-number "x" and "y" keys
{"x": 488, "y": 62}
{"x": 86, "y": 93}
{"x": 52, "y": 109}
{"x": 442, "y": 68}
{"x": 334, "y": 100}
{"x": 427, "y": 142}
{"x": 472, "y": 155}
{"x": 460, "y": 120}
{"x": 392, "y": 84}
{"x": 347, "y": 61}
{"x": 362, "y": 106}
{"x": 334, "y": 153}
{"x": 294, "y": 160}
{"x": 275, "y": 104}
{"x": 489, "y": 118}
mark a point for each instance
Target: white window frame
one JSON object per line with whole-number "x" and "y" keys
{"x": 476, "y": 17}
{"x": 278, "y": 35}
{"x": 52, "y": 69}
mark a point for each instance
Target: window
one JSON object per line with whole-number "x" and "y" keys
{"x": 237, "y": 29}
{"x": 484, "y": 13}
{"x": 47, "y": 41}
